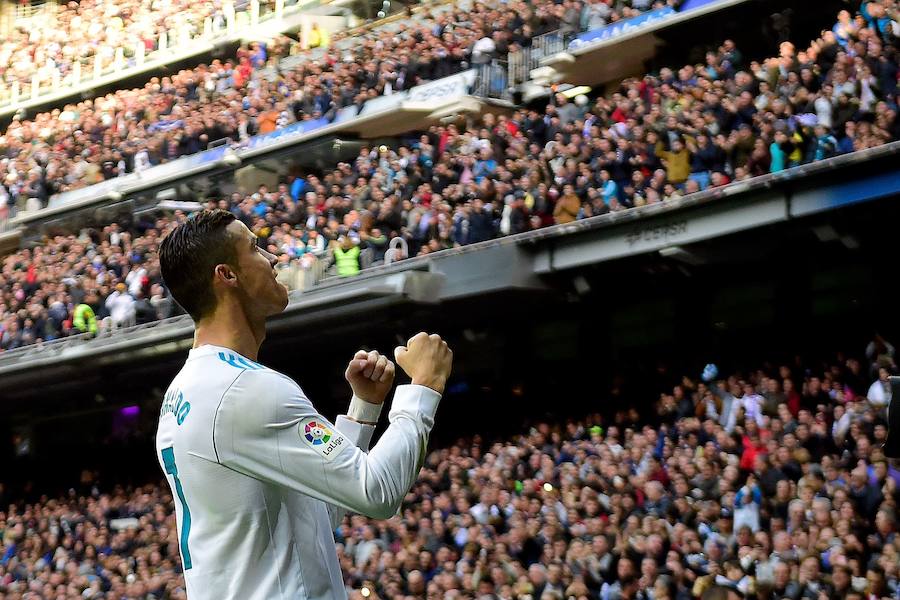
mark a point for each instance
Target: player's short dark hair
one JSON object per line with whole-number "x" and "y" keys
{"x": 188, "y": 255}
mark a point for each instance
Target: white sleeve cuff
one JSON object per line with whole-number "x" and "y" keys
{"x": 359, "y": 434}
{"x": 364, "y": 412}
{"x": 417, "y": 400}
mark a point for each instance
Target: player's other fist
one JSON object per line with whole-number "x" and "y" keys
{"x": 370, "y": 375}
{"x": 426, "y": 359}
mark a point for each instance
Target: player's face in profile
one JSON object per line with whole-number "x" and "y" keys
{"x": 261, "y": 292}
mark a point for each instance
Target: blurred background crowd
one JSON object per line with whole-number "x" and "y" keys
{"x": 766, "y": 483}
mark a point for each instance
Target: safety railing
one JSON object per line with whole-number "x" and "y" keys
{"x": 24, "y": 12}
{"x": 524, "y": 61}
{"x": 492, "y": 80}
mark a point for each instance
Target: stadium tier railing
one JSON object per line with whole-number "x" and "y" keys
{"x": 649, "y": 21}
{"x": 319, "y": 276}
{"x": 523, "y": 62}
{"x": 492, "y": 81}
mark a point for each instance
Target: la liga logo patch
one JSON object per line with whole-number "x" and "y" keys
{"x": 317, "y": 433}
{"x": 319, "y": 436}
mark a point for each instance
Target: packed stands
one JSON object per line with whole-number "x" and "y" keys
{"x": 97, "y": 37}
{"x": 652, "y": 139}
{"x": 768, "y": 482}
{"x": 83, "y": 30}
{"x": 131, "y": 130}
{"x": 57, "y": 46}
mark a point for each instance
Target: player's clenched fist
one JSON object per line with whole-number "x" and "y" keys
{"x": 426, "y": 359}
{"x": 370, "y": 376}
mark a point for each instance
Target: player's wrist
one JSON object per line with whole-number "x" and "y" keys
{"x": 364, "y": 411}
{"x": 435, "y": 383}
{"x": 367, "y": 392}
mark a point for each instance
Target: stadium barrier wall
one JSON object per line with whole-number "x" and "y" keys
{"x": 646, "y": 22}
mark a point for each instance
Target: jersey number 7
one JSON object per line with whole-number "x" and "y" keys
{"x": 168, "y": 456}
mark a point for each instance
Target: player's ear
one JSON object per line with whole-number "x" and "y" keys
{"x": 225, "y": 274}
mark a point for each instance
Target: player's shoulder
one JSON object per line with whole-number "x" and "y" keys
{"x": 250, "y": 376}
{"x": 258, "y": 397}
{"x": 226, "y": 359}
{"x": 219, "y": 370}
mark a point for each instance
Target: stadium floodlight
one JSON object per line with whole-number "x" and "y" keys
{"x": 825, "y": 233}
{"x": 581, "y": 285}
{"x": 679, "y": 253}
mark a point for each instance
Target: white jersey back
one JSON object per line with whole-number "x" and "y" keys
{"x": 260, "y": 479}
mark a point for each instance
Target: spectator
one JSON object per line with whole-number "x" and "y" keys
{"x": 346, "y": 255}
{"x": 84, "y": 319}
{"x": 121, "y": 306}
{"x": 880, "y": 391}
{"x": 567, "y": 207}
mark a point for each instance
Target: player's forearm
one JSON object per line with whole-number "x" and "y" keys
{"x": 394, "y": 462}
{"x": 358, "y": 425}
{"x": 359, "y": 422}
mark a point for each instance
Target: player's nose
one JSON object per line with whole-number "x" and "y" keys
{"x": 270, "y": 257}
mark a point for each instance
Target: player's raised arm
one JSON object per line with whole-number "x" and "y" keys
{"x": 268, "y": 429}
{"x": 371, "y": 377}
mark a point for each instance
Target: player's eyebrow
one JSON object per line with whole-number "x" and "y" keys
{"x": 253, "y": 243}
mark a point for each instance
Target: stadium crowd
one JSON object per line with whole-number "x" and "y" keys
{"x": 92, "y": 30}
{"x": 769, "y": 484}
{"x": 130, "y": 130}
{"x": 653, "y": 139}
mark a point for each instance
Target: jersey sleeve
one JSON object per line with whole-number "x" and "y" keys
{"x": 360, "y": 435}
{"x": 266, "y": 428}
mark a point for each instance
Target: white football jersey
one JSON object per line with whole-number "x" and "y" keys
{"x": 260, "y": 479}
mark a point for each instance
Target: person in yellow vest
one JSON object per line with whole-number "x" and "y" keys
{"x": 318, "y": 37}
{"x": 84, "y": 319}
{"x": 346, "y": 256}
